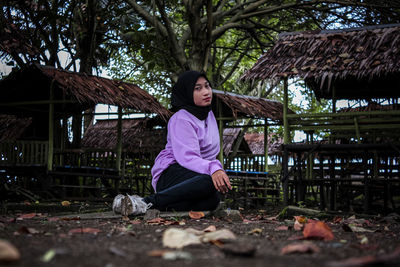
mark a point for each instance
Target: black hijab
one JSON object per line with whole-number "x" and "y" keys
{"x": 182, "y": 94}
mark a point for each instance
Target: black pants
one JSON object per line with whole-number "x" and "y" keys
{"x": 180, "y": 189}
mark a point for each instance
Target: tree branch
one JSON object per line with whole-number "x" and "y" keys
{"x": 148, "y": 17}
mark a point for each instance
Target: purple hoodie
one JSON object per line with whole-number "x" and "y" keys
{"x": 192, "y": 143}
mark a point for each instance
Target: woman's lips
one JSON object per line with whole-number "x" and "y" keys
{"x": 208, "y": 99}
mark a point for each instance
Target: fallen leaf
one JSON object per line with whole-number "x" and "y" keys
{"x": 301, "y": 219}
{"x": 305, "y": 247}
{"x": 157, "y": 220}
{"x": 274, "y": 218}
{"x": 282, "y": 228}
{"x": 210, "y": 228}
{"x": 256, "y": 231}
{"x": 364, "y": 240}
{"x": 48, "y": 256}
{"x": 27, "y": 230}
{"x": 26, "y": 216}
{"x": 178, "y": 238}
{"x": 65, "y": 203}
{"x": 8, "y": 252}
{"x": 87, "y": 230}
{"x": 161, "y": 221}
{"x": 196, "y": 214}
{"x": 337, "y": 219}
{"x": 223, "y": 234}
{"x": 157, "y": 252}
{"x": 217, "y": 243}
{"x": 299, "y": 222}
{"x": 318, "y": 229}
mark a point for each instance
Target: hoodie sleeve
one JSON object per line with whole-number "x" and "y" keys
{"x": 186, "y": 148}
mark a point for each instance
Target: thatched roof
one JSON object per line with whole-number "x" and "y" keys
{"x": 371, "y": 107}
{"x": 249, "y": 106}
{"x": 256, "y": 143}
{"x": 230, "y": 137}
{"x": 140, "y": 136}
{"x": 137, "y": 136}
{"x": 80, "y": 91}
{"x": 360, "y": 63}
{"x": 13, "y": 127}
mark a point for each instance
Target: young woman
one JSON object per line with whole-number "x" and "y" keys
{"x": 186, "y": 174}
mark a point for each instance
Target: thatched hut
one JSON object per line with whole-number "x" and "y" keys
{"x": 47, "y": 97}
{"x": 351, "y": 64}
{"x": 342, "y": 64}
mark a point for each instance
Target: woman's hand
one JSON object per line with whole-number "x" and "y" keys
{"x": 221, "y": 181}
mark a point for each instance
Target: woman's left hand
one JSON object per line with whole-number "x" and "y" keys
{"x": 221, "y": 181}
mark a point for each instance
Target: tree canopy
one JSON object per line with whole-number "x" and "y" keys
{"x": 151, "y": 42}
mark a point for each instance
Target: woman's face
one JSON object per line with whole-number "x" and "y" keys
{"x": 202, "y": 93}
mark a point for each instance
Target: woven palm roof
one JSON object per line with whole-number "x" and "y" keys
{"x": 81, "y": 90}
{"x": 360, "y": 63}
{"x": 12, "y": 127}
{"x": 137, "y": 136}
{"x": 249, "y": 106}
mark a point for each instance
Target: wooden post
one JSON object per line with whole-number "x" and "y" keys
{"x": 285, "y": 163}
{"x": 119, "y": 139}
{"x": 357, "y": 130}
{"x": 51, "y": 128}
{"x": 333, "y": 99}
{"x": 266, "y": 145}
{"x": 221, "y": 132}
{"x": 286, "y": 132}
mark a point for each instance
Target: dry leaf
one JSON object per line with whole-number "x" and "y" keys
{"x": 337, "y": 219}
{"x": 65, "y": 203}
{"x": 178, "y": 238}
{"x": 196, "y": 214}
{"x": 305, "y": 247}
{"x": 87, "y": 230}
{"x": 301, "y": 219}
{"x": 27, "y": 230}
{"x": 8, "y": 252}
{"x": 210, "y": 228}
{"x": 256, "y": 231}
{"x": 157, "y": 252}
{"x": 318, "y": 229}
{"x": 299, "y": 222}
{"x": 26, "y": 216}
{"x": 49, "y": 255}
{"x": 282, "y": 228}
{"x": 223, "y": 234}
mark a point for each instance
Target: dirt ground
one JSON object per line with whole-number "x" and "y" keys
{"x": 55, "y": 239}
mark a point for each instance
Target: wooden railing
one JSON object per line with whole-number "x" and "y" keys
{"x": 23, "y": 153}
{"x": 354, "y": 123}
